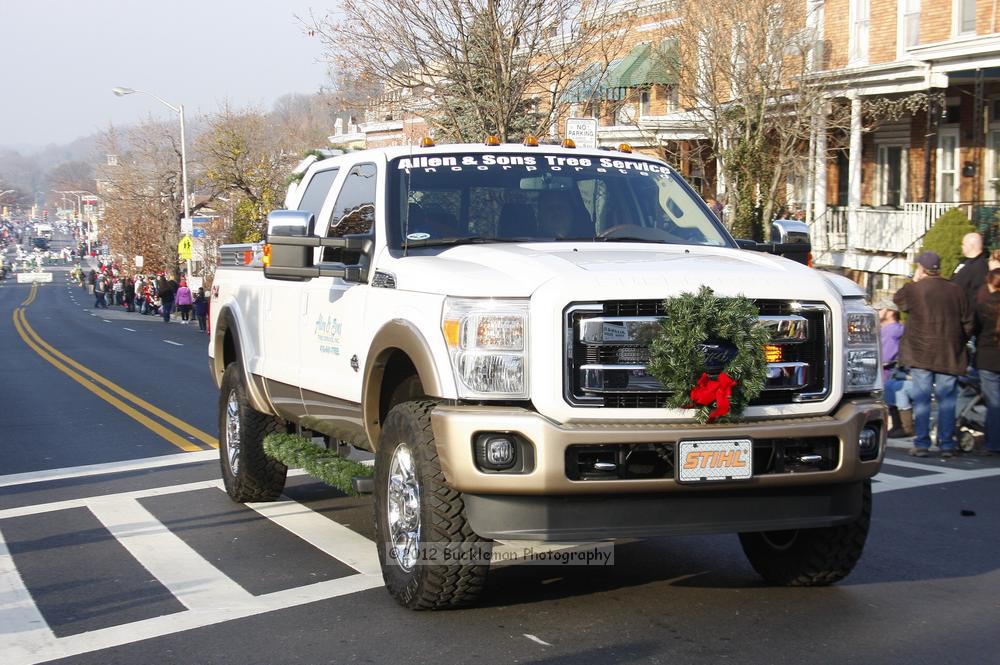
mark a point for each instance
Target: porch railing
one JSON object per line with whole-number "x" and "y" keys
{"x": 894, "y": 230}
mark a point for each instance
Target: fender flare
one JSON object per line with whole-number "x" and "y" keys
{"x": 228, "y": 322}
{"x": 396, "y": 335}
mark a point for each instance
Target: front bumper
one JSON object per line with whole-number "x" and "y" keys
{"x": 456, "y": 426}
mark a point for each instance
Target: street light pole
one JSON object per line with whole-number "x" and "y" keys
{"x": 179, "y": 110}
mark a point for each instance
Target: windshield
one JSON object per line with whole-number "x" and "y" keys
{"x": 496, "y": 197}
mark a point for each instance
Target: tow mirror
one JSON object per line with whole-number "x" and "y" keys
{"x": 288, "y": 254}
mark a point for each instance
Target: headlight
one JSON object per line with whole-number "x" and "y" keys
{"x": 487, "y": 342}
{"x": 862, "y": 362}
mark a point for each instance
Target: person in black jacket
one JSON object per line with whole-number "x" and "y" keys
{"x": 971, "y": 271}
{"x": 988, "y": 359}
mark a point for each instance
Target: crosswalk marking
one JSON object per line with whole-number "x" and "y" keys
{"x": 107, "y": 468}
{"x": 210, "y": 596}
{"x": 192, "y": 580}
{"x": 22, "y": 625}
{"x": 325, "y": 535}
{"x": 886, "y": 482}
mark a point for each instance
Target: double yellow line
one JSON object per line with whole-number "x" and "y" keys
{"x": 79, "y": 373}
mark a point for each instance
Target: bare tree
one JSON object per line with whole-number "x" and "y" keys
{"x": 477, "y": 66}
{"x": 745, "y": 75}
{"x": 143, "y": 195}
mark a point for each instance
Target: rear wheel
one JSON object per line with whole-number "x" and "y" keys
{"x": 247, "y": 472}
{"x": 810, "y": 557}
{"x": 430, "y": 557}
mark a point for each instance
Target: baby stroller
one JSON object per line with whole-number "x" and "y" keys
{"x": 970, "y": 412}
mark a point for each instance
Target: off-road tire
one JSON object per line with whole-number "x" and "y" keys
{"x": 428, "y": 586}
{"x": 258, "y": 477}
{"x": 810, "y": 557}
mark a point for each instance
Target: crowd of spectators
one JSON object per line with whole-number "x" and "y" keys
{"x": 952, "y": 329}
{"x": 145, "y": 294}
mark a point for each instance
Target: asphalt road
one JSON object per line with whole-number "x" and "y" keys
{"x": 144, "y": 558}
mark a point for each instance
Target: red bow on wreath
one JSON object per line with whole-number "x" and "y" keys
{"x": 707, "y": 391}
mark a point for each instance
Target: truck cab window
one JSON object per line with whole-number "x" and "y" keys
{"x": 317, "y": 190}
{"x": 354, "y": 211}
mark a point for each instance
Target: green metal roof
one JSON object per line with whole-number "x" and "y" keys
{"x": 590, "y": 84}
{"x": 645, "y": 66}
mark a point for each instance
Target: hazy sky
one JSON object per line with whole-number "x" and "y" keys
{"x": 59, "y": 60}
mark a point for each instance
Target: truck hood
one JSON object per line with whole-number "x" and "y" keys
{"x": 605, "y": 270}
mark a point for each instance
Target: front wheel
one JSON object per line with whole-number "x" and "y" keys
{"x": 810, "y": 557}
{"x": 431, "y": 558}
{"x": 247, "y": 472}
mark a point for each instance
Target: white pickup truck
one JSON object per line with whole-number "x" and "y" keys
{"x": 479, "y": 316}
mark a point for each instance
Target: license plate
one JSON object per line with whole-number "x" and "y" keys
{"x": 724, "y": 459}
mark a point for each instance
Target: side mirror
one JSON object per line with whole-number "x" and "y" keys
{"x": 290, "y": 252}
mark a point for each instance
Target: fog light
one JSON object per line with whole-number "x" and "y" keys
{"x": 496, "y": 452}
{"x": 868, "y": 442}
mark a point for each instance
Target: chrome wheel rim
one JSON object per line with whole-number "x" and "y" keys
{"x": 403, "y": 508}
{"x": 233, "y": 432}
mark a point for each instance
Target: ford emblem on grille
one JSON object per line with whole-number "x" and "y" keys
{"x": 717, "y": 355}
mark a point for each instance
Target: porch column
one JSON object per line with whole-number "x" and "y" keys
{"x": 819, "y": 167}
{"x": 854, "y": 165}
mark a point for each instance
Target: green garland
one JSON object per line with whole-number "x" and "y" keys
{"x": 327, "y": 465}
{"x": 690, "y": 320}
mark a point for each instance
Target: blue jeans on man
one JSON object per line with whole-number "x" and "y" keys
{"x": 945, "y": 389}
{"x": 167, "y": 307}
{"x": 990, "y": 385}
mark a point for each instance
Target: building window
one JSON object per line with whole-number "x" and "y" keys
{"x": 860, "y": 20}
{"x": 911, "y": 23}
{"x": 966, "y": 19}
{"x": 644, "y": 104}
{"x": 947, "y": 166}
{"x": 991, "y": 184}
{"x": 891, "y": 176}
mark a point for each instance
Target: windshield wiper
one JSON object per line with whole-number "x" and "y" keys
{"x": 467, "y": 240}
{"x": 630, "y": 239}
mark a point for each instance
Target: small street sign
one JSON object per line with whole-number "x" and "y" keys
{"x": 184, "y": 248}
{"x": 583, "y": 131}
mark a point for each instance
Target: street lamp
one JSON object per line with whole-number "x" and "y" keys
{"x": 179, "y": 110}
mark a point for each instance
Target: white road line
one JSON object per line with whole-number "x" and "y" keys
{"x": 537, "y": 640}
{"x": 85, "y": 502}
{"x": 129, "y": 329}
{"x": 169, "y": 624}
{"x": 939, "y": 478}
{"x": 108, "y": 467}
{"x": 195, "y": 582}
{"x": 22, "y": 627}
{"x": 174, "y": 343}
{"x": 106, "y": 320}
{"x": 326, "y": 535}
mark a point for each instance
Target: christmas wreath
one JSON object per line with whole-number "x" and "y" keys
{"x": 709, "y": 354}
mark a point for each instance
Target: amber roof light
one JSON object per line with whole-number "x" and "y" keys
{"x": 624, "y": 147}
{"x": 568, "y": 143}
{"x": 427, "y": 142}
{"x": 492, "y": 140}
{"x": 530, "y": 141}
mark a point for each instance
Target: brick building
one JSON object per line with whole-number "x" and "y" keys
{"x": 938, "y": 62}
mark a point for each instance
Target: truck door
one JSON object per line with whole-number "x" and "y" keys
{"x": 282, "y": 314}
{"x": 332, "y": 346}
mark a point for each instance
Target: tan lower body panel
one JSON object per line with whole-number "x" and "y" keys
{"x": 456, "y": 426}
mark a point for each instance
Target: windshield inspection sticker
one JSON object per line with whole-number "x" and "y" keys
{"x": 418, "y": 236}
{"x": 528, "y": 163}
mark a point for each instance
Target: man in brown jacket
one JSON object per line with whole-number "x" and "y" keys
{"x": 933, "y": 347}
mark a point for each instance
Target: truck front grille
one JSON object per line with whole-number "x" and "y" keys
{"x": 607, "y": 351}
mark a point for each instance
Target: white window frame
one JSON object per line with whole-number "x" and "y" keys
{"x": 908, "y": 26}
{"x": 645, "y": 102}
{"x": 952, "y": 132}
{"x": 859, "y": 26}
{"x": 956, "y": 19}
{"x": 882, "y": 171}
{"x": 991, "y": 181}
